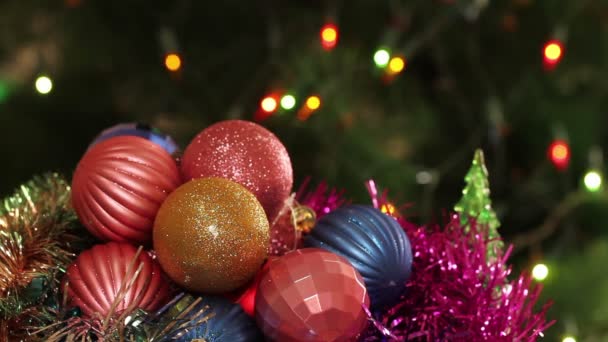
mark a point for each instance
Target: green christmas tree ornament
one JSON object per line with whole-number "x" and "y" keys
{"x": 476, "y": 203}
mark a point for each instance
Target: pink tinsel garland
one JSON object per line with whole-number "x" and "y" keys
{"x": 455, "y": 293}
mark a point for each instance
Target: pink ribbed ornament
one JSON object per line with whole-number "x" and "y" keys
{"x": 118, "y": 186}
{"x": 95, "y": 279}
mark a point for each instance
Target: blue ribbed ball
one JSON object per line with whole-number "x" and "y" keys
{"x": 229, "y": 324}
{"x": 139, "y": 130}
{"x": 374, "y": 243}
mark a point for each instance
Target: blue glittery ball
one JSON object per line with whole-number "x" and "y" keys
{"x": 223, "y": 321}
{"x": 374, "y": 243}
{"x": 138, "y": 130}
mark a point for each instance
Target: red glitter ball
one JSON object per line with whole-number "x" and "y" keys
{"x": 246, "y": 153}
{"x": 95, "y": 278}
{"x": 311, "y": 295}
{"x": 118, "y": 186}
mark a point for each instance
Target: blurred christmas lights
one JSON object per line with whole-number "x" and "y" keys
{"x": 552, "y": 52}
{"x": 424, "y": 177}
{"x": 173, "y": 62}
{"x": 329, "y": 36}
{"x": 396, "y": 65}
{"x": 593, "y": 181}
{"x": 559, "y": 154}
{"x": 44, "y": 84}
{"x": 313, "y": 102}
{"x": 288, "y": 102}
{"x": 268, "y": 104}
{"x": 540, "y": 272}
{"x": 381, "y": 58}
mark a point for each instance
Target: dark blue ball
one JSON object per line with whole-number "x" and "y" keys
{"x": 138, "y": 130}
{"x": 229, "y": 323}
{"x": 374, "y": 243}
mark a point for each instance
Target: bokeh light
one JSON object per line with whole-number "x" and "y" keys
{"x": 396, "y": 65}
{"x": 268, "y": 104}
{"x": 173, "y": 62}
{"x": 540, "y": 272}
{"x": 381, "y": 58}
{"x": 593, "y": 181}
{"x": 313, "y": 102}
{"x": 288, "y": 102}
{"x": 553, "y": 51}
{"x": 559, "y": 153}
{"x": 44, "y": 84}
{"x": 329, "y": 36}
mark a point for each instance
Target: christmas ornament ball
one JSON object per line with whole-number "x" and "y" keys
{"x": 139, "y": 130}
{"x": 311, "y": 294}
{"x": 374, "y": 243}
{"x": 246, "y": 153}
{"x": 118, "y": 186}
{"x": 95, "y": 278}
{"x": 211, "y": 235}
{"x": 216, "y": 319}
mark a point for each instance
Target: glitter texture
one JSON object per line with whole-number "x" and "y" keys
{"x": 96, "y": 277}
{"x": 119, "y": 185}
{"x": 211, "y": 235}
{"x": 246, "y": 153}
{"x": 311, "y": 295}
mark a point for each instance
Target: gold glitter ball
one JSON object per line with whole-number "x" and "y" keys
{"x": 211, "y": 235}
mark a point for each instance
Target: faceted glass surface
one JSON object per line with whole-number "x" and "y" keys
{"x": 311, "y": 295}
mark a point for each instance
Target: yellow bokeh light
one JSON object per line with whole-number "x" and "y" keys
{"x": 329, "y": 34}
{"x": 173, "y": 62}
{"x": 568, "y": 339}
{"x": 553, "y": 51}
{"x": 313, "y": 102}
{"x": 396, "y": 65}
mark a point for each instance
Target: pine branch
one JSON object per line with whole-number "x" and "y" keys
{"x": 38, "y": 240}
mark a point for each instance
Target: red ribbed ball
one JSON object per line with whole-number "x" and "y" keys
{"x": 245, "y": 153}
{"x": 95, "y": 278}
{"x": 118, "y": 186}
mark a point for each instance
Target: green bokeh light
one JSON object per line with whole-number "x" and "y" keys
{"x": 288, "y": 102}
{"x": 381, "y": 58}
{"x": 593, "y": 181}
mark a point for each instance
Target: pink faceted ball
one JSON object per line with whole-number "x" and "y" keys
{"x": 311, "y": 295}
{"x": 246, "y": 153}
{"x": 95, "y": 278}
